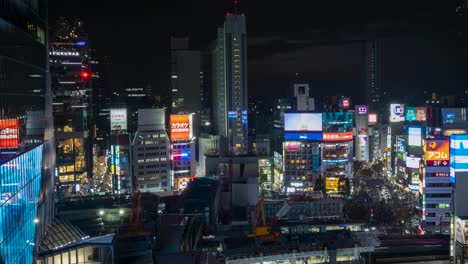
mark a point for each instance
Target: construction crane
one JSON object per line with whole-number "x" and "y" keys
{"x": 262, "y": 230}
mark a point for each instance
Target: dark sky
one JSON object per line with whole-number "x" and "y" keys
{"x": 322, "y": 41}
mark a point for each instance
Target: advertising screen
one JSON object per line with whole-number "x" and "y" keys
{"x": 180, "y": 127}
{"x": 455, "y": 117}
{"x": 303, "y": 122}
{"x": 461, "y": 230}
{"x": 337, "y": 136}
{"x": 372, "y": 119}
{"x": 458, "y": 153}
{"x": 397, "y": 113}
{"x": 361, "y": 109}
{"x": 332, "y": 183}
{"x": 410, "y": 113}
{"x": 414, "y": 136}
{"x": 9, "y": 133}
{"x": 400, "y": 144}
{"x": 118, "y": 119}
{"x": 338, "y": 122}
{"x": 303, "y": 136}
{"x": 420, "y": 113}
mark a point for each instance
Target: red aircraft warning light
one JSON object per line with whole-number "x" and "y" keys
{"x": 85, "y": 75}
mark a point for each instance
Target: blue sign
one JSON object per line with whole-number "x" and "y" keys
{"x": 232, "y": 114}
{"x": 458, "y": 155}
{"x": 398, "y": 110}
{"x": 80, "y": 43}
{"x": 303, "y": 136}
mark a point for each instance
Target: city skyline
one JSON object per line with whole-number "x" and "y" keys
{"x": 322, "y": 46}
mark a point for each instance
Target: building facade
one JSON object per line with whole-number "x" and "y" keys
{"x": 230, "y": 97}
{"x": 151, "y": 152}
{"x": 27, "y": 148}
{"x": 72, "y": 107}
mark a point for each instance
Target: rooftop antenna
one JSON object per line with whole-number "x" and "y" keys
{"x": 235, "y": 6}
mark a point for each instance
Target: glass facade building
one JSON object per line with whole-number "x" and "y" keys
{"x": 20, "y": 184}
{"x": 27, "y": 150}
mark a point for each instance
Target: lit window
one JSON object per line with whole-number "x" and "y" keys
{"x": 237, "y": 72}
{"x": 236, "y": 50}
{"x": 236, "y": 56}
{"x": 237, "y": 77}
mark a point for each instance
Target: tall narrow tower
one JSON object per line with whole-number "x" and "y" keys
{"x": 372, "y": 64}
{"x": 230, "y": 83}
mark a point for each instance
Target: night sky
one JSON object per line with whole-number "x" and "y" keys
{"x": 320, "y": 43}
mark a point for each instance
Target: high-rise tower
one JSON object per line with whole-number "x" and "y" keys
{"x": 230, "y": 84}
{"x": 372, "y": 64}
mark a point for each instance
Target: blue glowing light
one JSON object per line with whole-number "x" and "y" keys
{"x": 303, "y": 136}
{"x": 80, "y": 43}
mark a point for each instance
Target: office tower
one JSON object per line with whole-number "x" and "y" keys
{"x": 71, "y": 85}
{"x": 372, "y": 52}
{"x": 134, "y": 96}
{"x": 151, "y": 152}
{"x": 230, "y": 84}
{"x": 362, "y": 133}
{"x": 437, "y": 190}
{"x": 186, "y": 77}
{"x": 26, "y": 130}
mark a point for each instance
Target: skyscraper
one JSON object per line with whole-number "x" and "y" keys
{"x": 26, "y": 130}
{"x": 230, "y": 97}
{"x": 71, "y": 85}
{"x": 372, "y": 63}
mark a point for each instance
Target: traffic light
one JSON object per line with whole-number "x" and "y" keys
{"x": 85, "y": 75}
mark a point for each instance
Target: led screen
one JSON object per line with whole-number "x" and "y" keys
{"x": 180, "y": 127}
{"x": 118, "y": 119}
{"x": 414, "y": 136}
{"x": 303, "y": 122}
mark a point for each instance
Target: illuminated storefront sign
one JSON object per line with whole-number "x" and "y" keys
{"x": 332, "y": 183}
{"x": 303, "y": 136}
{"x": 461, "y": 230}
{"x": 345, "y": 103}
{"x": 337, "y": 136}
{"x": 436, "y": 152}
{"x": 410, "y": 113}
{"x": 9, "y": 133}
{"x": 397, "y": 113}
{"x": 413, "y": 162}
{"x": 180, "y": 127}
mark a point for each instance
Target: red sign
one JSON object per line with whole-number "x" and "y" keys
{"x": 437, "y": 163}
{"x": 372, "y": 118}
{"x": 337, "y": 136}
{"x": 292, "y": 147}
{"x": 180, "y": 127}
{"x": 9, "y": 133}
{"x": 420, "y": 113}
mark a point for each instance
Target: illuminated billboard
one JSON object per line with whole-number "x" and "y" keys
{"x": 303, "y": 136}
{"x": 436, "y": 152}
{"x": 397, "y": 112}
{"x": 461, "y": 230}
{"x": 345, "y": 103}
{"x": 9, "y": 133}
{"x": 118, "y": 119}
{"x": 338, "y": 121}
{"x": 420, "y": 114}
{"x": 454, "y": 117}
{"x": 412, "y": 162}
{"x": 180, "y": 127}
{"x": 182, "y": 183}
{"x": 337, "y": 136}
{"x": 410, "y": 113}
{"x": 458, "y": 153}
{"x": 372, "y": 119}
{"x": 414, "y": 136}
{"x": 292, "y": 146}
{"x": 361, "y": 109}
{"x": 303, "y": 122}
{"x": 332, "y": 183}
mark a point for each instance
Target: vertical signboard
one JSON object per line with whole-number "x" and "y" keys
{"x": 458, "y": 155}
{"x": 410, "y": 113}
{"x": 118, "y": 119}
{"x": 180, "y": 127}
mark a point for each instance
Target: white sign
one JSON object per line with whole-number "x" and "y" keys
{"x": 118, "y": 119}
{"x": 397, "y": 113}
{"x": 414, "y": 136}
{"x": 412, "y": 162}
